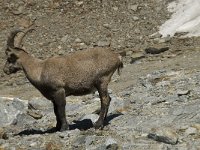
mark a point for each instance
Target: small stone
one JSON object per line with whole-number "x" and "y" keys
{"x": 30, "y": 3}
{"x": 163, "y": 40}
{"x": 35, "y": 114}
{"x": 137, "y": 56}
{"x": 165, "y": 135}
{"x": 68, "y": 133}
{"x": 79, "y": 45}
{"x": 25, "y": 22}
{"x": 110, "y": 141}
{"x": 59, "y": 47}
{"x": 61, "y": 52}
{"x": 133, "y": 7}
{"x": 80, "y": 140}
{"x": 129, "y": 53}
{"x": 77, "y": 40}
{"x": 115, "y": 8}
{"x": 191, "y": 131}
{"x": 137, "y": 31}
{"x": 103, "y": 43}
{"x": 183, "y": 92}
{"x": 135, "y": 18}
{"x": 79, "y": 3}
{"x": 106, "y": 26}
{"x": 111, "y": 144}
{"x": 33, "y": 144}
{"x": 112, "y": 147}
{"x": 53, "y": 146}
{"x": 82, "y": 46}
{"x": 3, "y": 134}
{"x": 155, "y": 35}
{"x": 197, "y": 126}
{"x": 156, "y": 50}
{"x": 64, "y": 38}
{"x": 19, "y": 11}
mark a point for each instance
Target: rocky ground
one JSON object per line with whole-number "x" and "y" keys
{"x": 154, "y": 101}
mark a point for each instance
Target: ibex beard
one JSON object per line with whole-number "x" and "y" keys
{"x": 61, "y": 76}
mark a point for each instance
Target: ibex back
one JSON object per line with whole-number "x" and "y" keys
{"x": 57, "y": 77}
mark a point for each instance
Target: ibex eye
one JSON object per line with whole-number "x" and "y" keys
{"x": 10, "y": 60}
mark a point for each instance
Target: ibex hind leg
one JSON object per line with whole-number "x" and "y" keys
{"x": 59, "y": 110}
{"x": 105, "y": 102}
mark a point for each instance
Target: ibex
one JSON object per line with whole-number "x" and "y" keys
{"x": 57, "y": 77}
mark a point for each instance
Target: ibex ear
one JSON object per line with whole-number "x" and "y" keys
{"x": 12, "y": 51}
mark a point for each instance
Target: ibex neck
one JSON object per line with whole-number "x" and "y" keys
{"x": 32, "y": 68}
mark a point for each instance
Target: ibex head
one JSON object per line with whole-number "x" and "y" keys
{"x": 11, "y": 65}
{"x": 12, "y": 52}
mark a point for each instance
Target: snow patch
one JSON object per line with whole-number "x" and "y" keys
{"x": 185, "y": 18}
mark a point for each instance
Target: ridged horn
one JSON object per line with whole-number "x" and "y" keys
{"x": 19, "y": 41}
{"x": 11, "y": 38}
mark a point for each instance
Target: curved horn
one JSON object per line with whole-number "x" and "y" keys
{"x": 19, "y": 41}
{"x": 11, "y": 38}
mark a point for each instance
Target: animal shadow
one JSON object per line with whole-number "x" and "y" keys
{"x": 87, "y": 123}
{"x": 81, "y": 125}
{"x": 35, "y": 131}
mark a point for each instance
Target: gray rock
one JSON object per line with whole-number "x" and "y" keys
{"x": 9, "y": 109}
{"x": 39, "y": 104}
{"x": 23, "y": 119}
{"x": 19, "y": 104}
{"x": 117, "y": 104}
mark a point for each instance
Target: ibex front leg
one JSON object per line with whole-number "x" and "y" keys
{"x": 59, "y": 110}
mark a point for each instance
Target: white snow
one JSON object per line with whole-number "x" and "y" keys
{"x": 185, "y": 18}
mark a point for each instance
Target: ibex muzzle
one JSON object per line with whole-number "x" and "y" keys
{"x": 10, "y": 68}
{"x": 58, "y": 77}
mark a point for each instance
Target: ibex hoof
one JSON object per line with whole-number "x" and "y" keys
{"x": 64, "y": 128}
{"x": 98, "y": 125}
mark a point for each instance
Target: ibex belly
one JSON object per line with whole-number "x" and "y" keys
{"x": 81, "y": 90}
